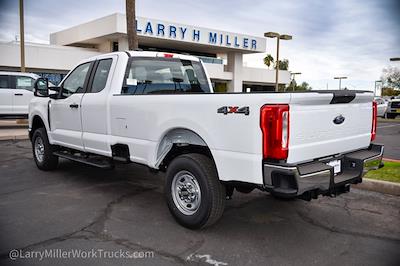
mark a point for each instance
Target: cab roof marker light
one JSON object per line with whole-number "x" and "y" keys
{"x": 166, "y": 55}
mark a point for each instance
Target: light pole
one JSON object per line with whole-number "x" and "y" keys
{"x": 340, "y": 81}
{"x": 293, "y": 79}
{"x": 131, "y": 27}
{"x": 22, "y": 34}
{"x": 278, "y": 37}
{"x": 376, "y": 81}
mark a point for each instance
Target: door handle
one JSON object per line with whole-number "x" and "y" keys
{"x": 74, "y": 105}
{"x": 18, "y": 94}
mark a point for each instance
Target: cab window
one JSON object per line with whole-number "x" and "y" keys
{"x": 164, "y": 76}
{"x": 4, "y": 82}
{"x": 24, "y": 83}
{"x": 101, "y": 75}
{"x": 76, "y": 80}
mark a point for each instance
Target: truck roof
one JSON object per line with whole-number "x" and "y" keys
{"x": 162, "y": 54}
{"x": 25, "y": 74}
{"x": 150, "y": 54}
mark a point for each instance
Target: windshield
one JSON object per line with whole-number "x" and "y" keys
{"x": 164, "y": 76}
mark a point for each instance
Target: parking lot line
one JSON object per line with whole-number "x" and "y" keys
{"x": 388, "y": 126}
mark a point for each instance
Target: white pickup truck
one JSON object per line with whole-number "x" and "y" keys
{"x": 16, "y": 91}
{"x": 159, "y": 109}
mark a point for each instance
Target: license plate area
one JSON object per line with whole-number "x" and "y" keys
{"x": 337, "y": 166}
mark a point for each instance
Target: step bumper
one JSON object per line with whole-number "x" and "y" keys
{"x": 318, "y": 177}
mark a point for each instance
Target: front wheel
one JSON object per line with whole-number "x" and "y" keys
{"x": 194, "y": 194}
{"x": 43, "y": 151}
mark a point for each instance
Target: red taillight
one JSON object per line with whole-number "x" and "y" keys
{"x": 275, "y": 129}
{"x": 168, "y": 55}
{"x": 374, "y": 120}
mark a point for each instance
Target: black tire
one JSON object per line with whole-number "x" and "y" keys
{"x": 48, "y": 161}
{"x": 390, "y": 116}
{"x": 212, "y": 193}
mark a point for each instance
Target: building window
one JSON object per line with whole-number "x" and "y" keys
{"x": 115, "y": 47}
{"x": 257, "y": 88}
{"x": 54, "y": 78}
{"x": 220, "y": 87}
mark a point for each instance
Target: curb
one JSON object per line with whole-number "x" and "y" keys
{"x": 390, "y": 160}
{"x": 16, "y": 126}
{"x": 20, "y": 137}
{"x": 379, "y": 186}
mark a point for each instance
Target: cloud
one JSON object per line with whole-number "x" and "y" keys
{"x": 355, "y": 38}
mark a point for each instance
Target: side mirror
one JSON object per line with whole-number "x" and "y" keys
{"x": 41, "y": 87}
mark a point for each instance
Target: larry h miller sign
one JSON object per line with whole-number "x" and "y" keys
{"x": 186, "y": 33}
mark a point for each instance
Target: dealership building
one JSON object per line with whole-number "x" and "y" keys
{"x": 221, "y": 52}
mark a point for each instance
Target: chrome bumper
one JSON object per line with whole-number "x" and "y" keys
{"x": 312, "y": 179}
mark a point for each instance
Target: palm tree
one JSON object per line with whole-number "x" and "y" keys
{"x": 283, "y": 64}
{"x": 268, "y": 60}
{"x": 131, "y": 26}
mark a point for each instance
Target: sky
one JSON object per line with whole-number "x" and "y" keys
{"x": 353, "y": 38}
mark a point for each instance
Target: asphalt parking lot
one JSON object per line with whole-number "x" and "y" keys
{"x": 78, "y": 207}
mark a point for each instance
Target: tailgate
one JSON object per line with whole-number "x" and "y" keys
{"x": 328, "y": 123}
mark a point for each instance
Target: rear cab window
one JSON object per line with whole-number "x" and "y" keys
{"x": 149, "y": 75}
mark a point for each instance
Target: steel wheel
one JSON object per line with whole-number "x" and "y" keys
{"x": 194, "y": 194}
{"x": 186, "y": 192}
{"x": 39, "y": 149}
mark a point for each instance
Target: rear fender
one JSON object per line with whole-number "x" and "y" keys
{"x": 178, "y": 136}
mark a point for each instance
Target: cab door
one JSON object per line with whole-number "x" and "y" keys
{"x": 23, "y": 94}
{"x": 6, "y": 95}
{"x": 65, "y": 112}
{"x": 94, "y": 106}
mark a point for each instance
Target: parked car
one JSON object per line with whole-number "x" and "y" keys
{"x": 159, "y": 110}
{"x": 381, "y": 105}
{"x": 16, "y": 91}
{"x": 393, "y": 109}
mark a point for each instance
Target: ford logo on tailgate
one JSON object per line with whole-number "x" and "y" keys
{"x": 338, "y": 120}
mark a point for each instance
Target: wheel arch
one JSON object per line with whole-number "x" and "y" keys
{"x": 37, "y": 122}
{"x": 177, "y": 141}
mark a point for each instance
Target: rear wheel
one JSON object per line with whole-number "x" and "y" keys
{"x": 43, "y": 151}
{"x": 194, "y": 194}
{"x": 390, "y": 116}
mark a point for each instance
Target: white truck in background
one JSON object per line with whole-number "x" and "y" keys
{"x": 16, "y": 91}
{"x": 159, "y": 109}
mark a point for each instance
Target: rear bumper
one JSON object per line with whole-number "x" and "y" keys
{"x": 312, "y": 179}
{"x": 393, "y": 110}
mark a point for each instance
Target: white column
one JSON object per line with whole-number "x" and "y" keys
{"x": 123, "y": 44}
{"x": 105, "y": 47}
{"x": 235, "y": 65}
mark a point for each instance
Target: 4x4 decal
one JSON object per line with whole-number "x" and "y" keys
{"x": 234, "y": 110}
